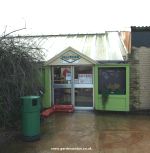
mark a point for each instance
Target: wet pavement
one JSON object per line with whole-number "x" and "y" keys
{"x": 88, "y": 132}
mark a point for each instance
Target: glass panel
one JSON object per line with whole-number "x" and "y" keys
{"x": 62, "y": 75}
{"x": 62, "y": 96}
{"x": 83, "y": 75}
{"x": 84, "y": 97}
{"x": 112, "y": 80}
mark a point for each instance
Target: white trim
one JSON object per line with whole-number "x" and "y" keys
{"x": 93, "y": 71}
{"x": 83, "y": 85}
{"x": 84, "y": 108}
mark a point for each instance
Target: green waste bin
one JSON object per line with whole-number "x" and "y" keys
{"x": 30, "y": 109}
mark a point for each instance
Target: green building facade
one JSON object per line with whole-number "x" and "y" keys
{"x": 73, "y": 78}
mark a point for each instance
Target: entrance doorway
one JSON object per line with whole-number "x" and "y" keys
{"x": 73, "y": 85}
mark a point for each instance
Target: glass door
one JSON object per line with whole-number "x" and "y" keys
{"x": 62, "y": 85}
{"x": 83, "y": 86}
{"x": 73, "y": 85}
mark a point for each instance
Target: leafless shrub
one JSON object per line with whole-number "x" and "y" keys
{"x": 20, "y": 75}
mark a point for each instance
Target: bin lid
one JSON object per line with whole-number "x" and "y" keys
{"x": 30, "y": 97}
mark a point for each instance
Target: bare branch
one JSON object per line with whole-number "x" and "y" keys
{"x": 14, "y": 31}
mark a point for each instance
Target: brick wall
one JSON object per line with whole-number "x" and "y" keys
{"x": 140, "y": 78}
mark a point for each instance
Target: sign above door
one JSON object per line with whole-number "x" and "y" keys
{"x": 70, "y": 56}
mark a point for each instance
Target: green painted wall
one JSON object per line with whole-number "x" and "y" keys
{"x": 114, "y": 102}
{"x": 47, "y": 87}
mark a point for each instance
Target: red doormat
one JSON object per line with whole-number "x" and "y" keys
{"x": 64, "y": 108}
{"x": 57, "y": 108}
{"x": 47, "y": 112}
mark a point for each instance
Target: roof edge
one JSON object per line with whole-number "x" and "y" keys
{"x": 71, "y": 34}
{"x": 140, "y": 28}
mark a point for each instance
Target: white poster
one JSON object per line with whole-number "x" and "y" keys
{"x": 68, "y": 76}
{"x": 85, "y": 78}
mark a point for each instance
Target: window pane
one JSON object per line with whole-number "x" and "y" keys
{"x": 84, "y": 97}
{"x": 62, "y": 75}
{"x": 112, "y": 80}
{"x": 62, "y": 96}
{"x": 83, "y": 75}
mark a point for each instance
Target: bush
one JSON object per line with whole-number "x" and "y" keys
{"x": 20, "y": 70}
